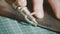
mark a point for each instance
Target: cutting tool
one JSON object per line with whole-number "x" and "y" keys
{"x": 26, "y": 14}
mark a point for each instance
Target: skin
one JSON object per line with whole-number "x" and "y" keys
{"x": 55, "y": 4}
{"x": 38, "y": 7}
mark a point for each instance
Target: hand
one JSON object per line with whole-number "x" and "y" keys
{"x": 55, "y": 4}
{"x": 38, "y": 7}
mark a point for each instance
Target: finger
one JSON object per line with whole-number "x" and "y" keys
{"x": 38, "y": 8}
{"x": 22, "y": 3}
{"x": 55, "y": 4}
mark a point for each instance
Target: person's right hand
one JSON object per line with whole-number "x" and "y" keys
{"x": 38, "y": 7}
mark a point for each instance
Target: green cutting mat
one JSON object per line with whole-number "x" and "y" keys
{"x": 9, "y": 26}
